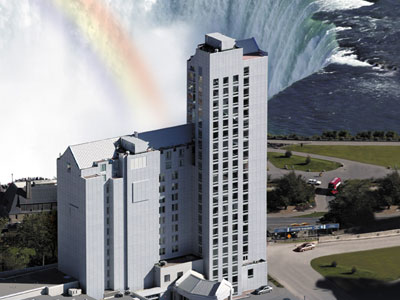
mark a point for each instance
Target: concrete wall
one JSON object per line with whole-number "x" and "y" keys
{"x": 71, "y": 192}
{"x": 141, "y": 219}
{"x": 352, "y": 237}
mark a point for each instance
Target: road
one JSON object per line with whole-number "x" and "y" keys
{"x": 349, "y": 170}
{"x": 294, "y": 271}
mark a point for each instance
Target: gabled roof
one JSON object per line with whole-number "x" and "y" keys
{"x": 250, "y": 46}
{"x": 168, "y": 137}
{"x": 87, "y": 153}
{"x": 193, "y": 283}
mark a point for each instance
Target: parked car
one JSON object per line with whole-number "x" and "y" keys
{"x": 263, "y": 290}
{"x": 119, "y": 295}
{"x": 314, "y": 181}
{"x": 304, "y": 247}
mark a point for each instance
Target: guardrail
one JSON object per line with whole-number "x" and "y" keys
{"x": 352, "y": 237}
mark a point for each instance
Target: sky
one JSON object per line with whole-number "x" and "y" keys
{"x": 63, "y": 81}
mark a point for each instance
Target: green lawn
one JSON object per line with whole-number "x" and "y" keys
{"x": 379, "y": 264}
{"x": 298, "y": 163}
{"x": 376, "y": 155}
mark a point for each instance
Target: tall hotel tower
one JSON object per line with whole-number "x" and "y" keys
{"x": 176, "y": 213}
{"x": 227, "y": 103}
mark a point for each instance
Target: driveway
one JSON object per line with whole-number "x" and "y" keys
{"x": 294, "y": 271}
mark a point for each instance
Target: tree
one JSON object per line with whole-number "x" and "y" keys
{"x": 14, "y": 258}
{"x": 389, "y": 190}
{"x": 288, "y": 154}
{"x": 308, "y": 160}
{"x": 39, "y": 232}
{"x": 353, "y": 206}
{"x": 292, "y": 189}
{"x": 3, "y": 222}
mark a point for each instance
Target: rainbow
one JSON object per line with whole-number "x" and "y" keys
{"x": 116, "y": 49}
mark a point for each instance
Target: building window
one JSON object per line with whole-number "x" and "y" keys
{"x": 175, "y": 248}
{"x": 168, "y": 154}
{"x": 175, "y": 175}
{"x": 167, "y": 278}
{"x": 161, "y": 220}
{"x": 246, "y": 71}
{"x": 161, "y": 209}
{"x": 174, "y": 197}
{"x": 162, "y": 188}
{"x": 162, "y": 199}
{"x": 215, "y": 93}
{"x": 161, "y": 178}
{"x": 181, "y": 163}
{"x": 103, "y": 167}
{"x": 181, "y": 152}
{"x": 174, "y": 238}
{"x": 162, "y": 240}
{"x": 174, "y": 217}
{"x": 168, "y": 165}
{"x": 215, "y": 82}
{"x": 174, "y": 186}
{"x": 250, "y": 273}
{"x": 175, "y": 228}
{"x": 162, "y": 251}
{"x": 236, "y": 79}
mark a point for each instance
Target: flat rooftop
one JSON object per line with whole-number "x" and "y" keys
{"x": 32, "y": 280}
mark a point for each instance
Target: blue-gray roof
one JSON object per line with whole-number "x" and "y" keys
{"x": 249, "y": 46}
{"x": 168, "y": 137}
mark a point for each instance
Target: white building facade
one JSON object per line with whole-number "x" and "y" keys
{"x": 191, "y": 196}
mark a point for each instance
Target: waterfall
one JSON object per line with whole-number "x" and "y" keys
{"x": 297, "y": 45}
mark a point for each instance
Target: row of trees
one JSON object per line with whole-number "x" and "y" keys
{"x": 343, "y": 135}
{"x": 357, "y": 200}
{"x": 290, "y": 189}
{"x": 32, "y": 243}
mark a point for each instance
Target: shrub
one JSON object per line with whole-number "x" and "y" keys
{"x": 333, "y": 264}
{"x": 353, "y": 270}
{"x": 308, "y": 159}
{"x": 288, "y": 154}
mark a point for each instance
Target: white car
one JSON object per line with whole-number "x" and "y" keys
{"x": 314, "y": 181}
{"x": 304, "y": 247}
{"x": 263, "y": 290}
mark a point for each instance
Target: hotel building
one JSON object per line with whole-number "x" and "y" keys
{"x": 178, "y": 212}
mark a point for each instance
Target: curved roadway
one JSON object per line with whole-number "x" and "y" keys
{"x": 294, "y": 271}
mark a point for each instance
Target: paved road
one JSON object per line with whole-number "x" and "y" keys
{"x": 349, "y": 170}
{"x": 293, "y": 269}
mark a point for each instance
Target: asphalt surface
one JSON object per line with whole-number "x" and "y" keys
{"x": 293, "y": 269}
{"x": 276, "y": 294}
{"x": 349, "y": 170}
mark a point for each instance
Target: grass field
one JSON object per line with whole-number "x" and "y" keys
{"x": 298, "y": 163}
{"x": 377, "y": 155}
{"x": 379, "y": 264}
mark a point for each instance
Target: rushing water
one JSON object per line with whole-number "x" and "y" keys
{"x": 54, "y": 87}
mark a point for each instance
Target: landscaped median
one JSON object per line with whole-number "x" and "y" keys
{"x": 386, "y": 156}
{"x": 296, "y": 162}
{"x": 379, "y": 264}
